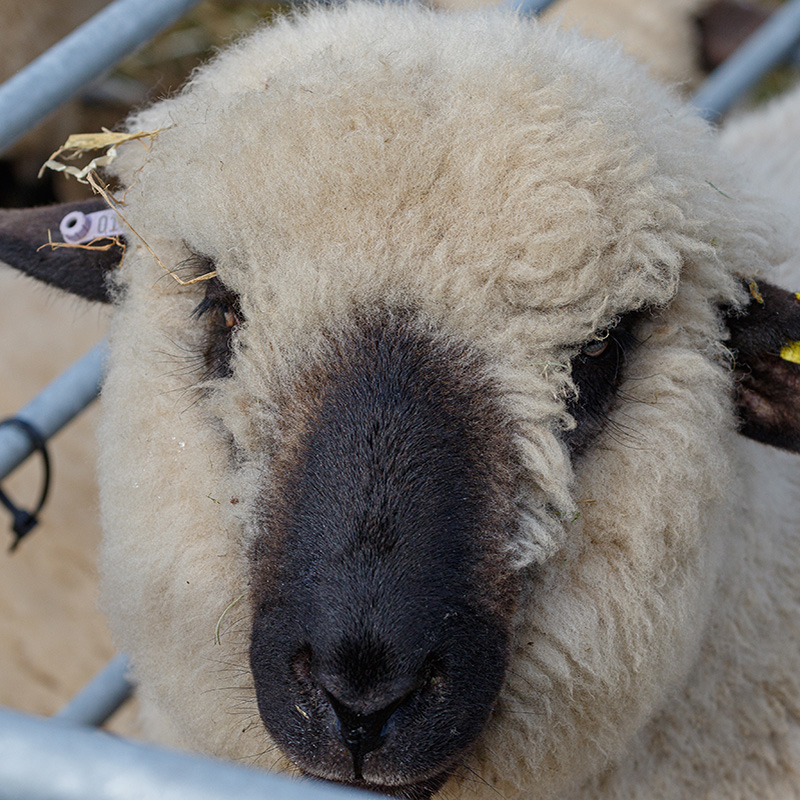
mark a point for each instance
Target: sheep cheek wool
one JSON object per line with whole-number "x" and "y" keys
{"x": 520, "y": 189}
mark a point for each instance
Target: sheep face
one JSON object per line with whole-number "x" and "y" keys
{"x": 382, "y": 595}
{"x": 407, "y": 293}
{"x": 451, "y": 440}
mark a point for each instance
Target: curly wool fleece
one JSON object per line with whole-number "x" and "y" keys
{"x": 522, "y": 188}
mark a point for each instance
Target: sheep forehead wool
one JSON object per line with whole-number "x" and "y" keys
{"x": 371, "y": 106}
{"x": 520, "y": 189}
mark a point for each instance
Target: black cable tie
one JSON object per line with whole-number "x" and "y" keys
{"x": 25, "y": 521}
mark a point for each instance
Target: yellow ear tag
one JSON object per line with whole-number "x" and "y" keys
{"x": 791, "y": 352}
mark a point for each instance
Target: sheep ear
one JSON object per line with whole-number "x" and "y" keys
{"x": 765, "y": 341}
{"x": 83, "y": 272}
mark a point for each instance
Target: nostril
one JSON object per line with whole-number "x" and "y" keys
{"x": 363, "y": 708}
{"x": 364, "y": 732}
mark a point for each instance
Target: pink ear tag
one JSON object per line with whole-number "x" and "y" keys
{"x": 79, "y": 228}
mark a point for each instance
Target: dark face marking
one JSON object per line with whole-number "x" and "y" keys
{"x": 221, "y": 311}
{"x": 597, "y": 371}
{"x": 383, "y": 595}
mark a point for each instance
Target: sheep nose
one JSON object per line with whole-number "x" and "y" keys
{"x": 363, "y": 732}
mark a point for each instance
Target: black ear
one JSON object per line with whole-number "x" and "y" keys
{"x": 764, "y": 341}
{"x": 78, "y": 270}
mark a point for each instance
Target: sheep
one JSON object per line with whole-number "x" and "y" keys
{"x": 662, "y": 35}
{"x": 474, "y": 467}
{"x": 763, "y": 142}
{"x": 679, "y": 40}
{"x": 69, "y": 522}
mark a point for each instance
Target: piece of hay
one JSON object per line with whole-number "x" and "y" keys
{"x": 93, "y": 179}
{"x": 756, "y": 295}
{"x": 110, "y": 241}
{"x": 80, "y": 143}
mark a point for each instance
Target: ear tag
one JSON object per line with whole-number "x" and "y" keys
{"x": 791, "y": 351}
{"x": 79, "y": 228}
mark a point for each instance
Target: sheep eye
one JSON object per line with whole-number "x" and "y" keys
{"x": 597, "y": 372}
{"x": 220, "y": 305}
{"x": 221, "y": 311}
{"x": 597, "y": 347}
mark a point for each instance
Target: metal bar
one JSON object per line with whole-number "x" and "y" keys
{"x": 60, "y": 401}
{"x": 527, "y": 7}
{"x": 78, "y": 58}
{"x": 773, "y": 42}
{"x": 40, "y": 760}
{"x": 101, "y": 697}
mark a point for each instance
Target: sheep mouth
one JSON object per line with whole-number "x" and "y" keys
{"x": 422, "y": 790}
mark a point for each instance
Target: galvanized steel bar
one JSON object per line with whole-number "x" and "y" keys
{"x": 101, "y": 697}
{"x": 42, "y": 760}
{"x": 60, "y": 401}
{"x": 527, "y": 7}
{"x": 80, "y": 57}
{"x": 772, "y": 43}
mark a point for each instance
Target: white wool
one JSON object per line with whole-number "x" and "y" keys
{"x": 521, "y": 188}
{"x": 763, "y": 146}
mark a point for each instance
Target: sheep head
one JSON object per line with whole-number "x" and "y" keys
{"x": 469, "y": 281}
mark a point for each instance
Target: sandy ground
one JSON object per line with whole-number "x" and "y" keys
{"x": 53, "y": 638}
